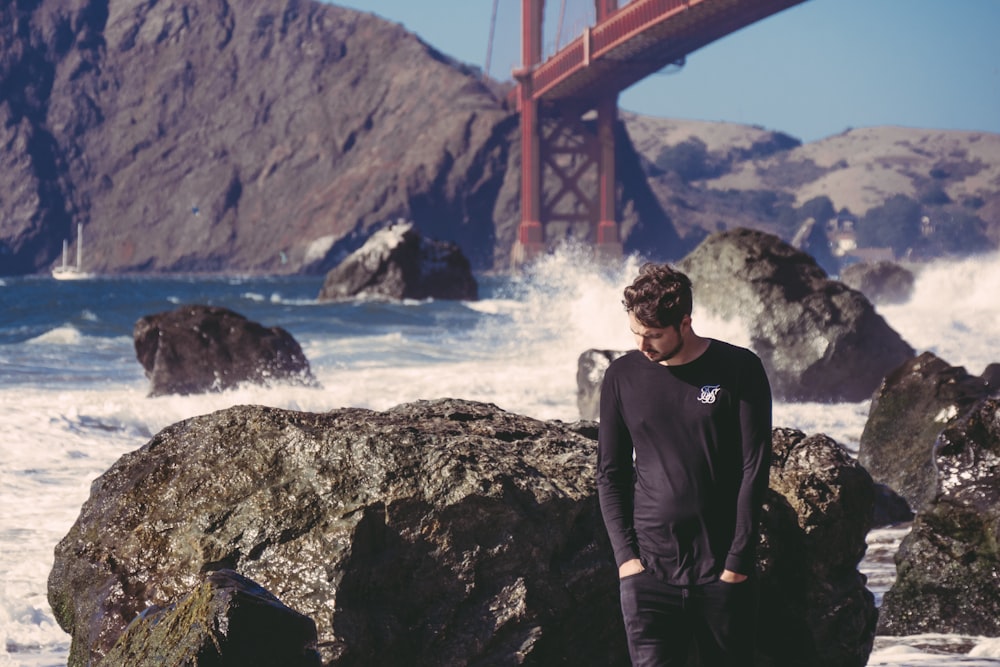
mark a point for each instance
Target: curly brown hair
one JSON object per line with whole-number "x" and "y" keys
{"x": 660, "y": 296}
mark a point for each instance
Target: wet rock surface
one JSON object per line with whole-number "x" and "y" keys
{"x": 399, "y": 263}
{"x": 815, "y": 608}
{"x": 226, "y": 620}
{"x": 914, "y": 403}
{"x": 949, "y": 564}
{"x": 590, "y": 369}
{"x": 442, "y": 532}
{"x": 196, "y": 349}
{"x": 818, "y": 339}
{"x": 890, "y": 508}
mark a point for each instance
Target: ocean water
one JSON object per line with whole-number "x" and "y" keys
{"x": 73, "y": 398}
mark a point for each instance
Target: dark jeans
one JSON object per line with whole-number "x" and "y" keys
{"x": 662, "y": 621}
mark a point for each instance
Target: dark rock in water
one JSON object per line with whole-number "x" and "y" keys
{"x": 915, "y": 402}
{"x": 818, "y": 339}
{"x": 881, "y": 282}
{"x": 226, "y": 620}
{"x": 196, "y": 349}
{"x": 815, "y": 608}
{"x": 590, "y": 368}
{"x": 890, "y": 508}
{"x": 443, "y": 533}
{"x": 991, "y": 375}
{"x": 398, "y": 263}
{"x": 948, "y": 566}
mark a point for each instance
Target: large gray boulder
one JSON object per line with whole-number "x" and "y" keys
{"x": 914, "y": 403}
{"x": 399, "y": 263}
{"x": 437, "y": 533}
{"x": 196, "y": 349}
{"x": 819, "y": 340}
{"x": 226, "y": 620}
{"x": 442, "y": 533}
{"x": 948, "y": 566}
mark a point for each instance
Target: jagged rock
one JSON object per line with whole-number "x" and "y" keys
{"x": 196, "y": 349}
{"x": 818, "y": 339}
{"x": 590, "y": 368}
{"x": 815, "y": 608}
{"x": 440, "y": 533}
{"x": 991, "y": 375}
{"x": 914, "y": 403}
{"x": 225, "y": 620}
{"x": 399, "y": 263}
{"x": 880, "y": 282}
{"x": 435, "y": 533}
{"x": 948, "y": 566}
{"x": 890, "y": 508}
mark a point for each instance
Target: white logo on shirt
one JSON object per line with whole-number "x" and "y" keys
{"x": 708, "y": 393}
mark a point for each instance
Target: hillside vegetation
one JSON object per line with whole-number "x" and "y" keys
{"x": 908, "y": 193}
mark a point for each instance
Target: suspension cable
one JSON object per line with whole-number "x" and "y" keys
{"x": 489, "y": 42}
{"x": 559, "y": 25}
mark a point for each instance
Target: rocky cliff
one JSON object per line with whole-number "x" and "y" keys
{"x": 199, "y": 135}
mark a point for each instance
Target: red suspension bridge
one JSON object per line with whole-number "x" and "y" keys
{"x": 624, "y": 45}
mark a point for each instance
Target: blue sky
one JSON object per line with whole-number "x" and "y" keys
{"x": 811, "y": 71}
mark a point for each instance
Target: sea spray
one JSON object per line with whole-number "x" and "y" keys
{"x": 953, "y": 311}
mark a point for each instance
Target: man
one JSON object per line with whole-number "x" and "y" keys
{"x": 683, "y": 457}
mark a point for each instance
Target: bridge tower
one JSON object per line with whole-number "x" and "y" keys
{"x": 556, "y": 141}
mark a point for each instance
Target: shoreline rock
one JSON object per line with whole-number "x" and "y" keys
{"x": 949, "y": 564}
{"x": 881, "y": 282}
{"x": 442, "y": 532}
{"x": 818, "y": 339}
{"x": 399, "y": 263}
{"x": 196, "y": 349}
{"x": 914, "y": 403}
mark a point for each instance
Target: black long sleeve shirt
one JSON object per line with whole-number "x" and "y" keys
{"x": 683, "y": 460}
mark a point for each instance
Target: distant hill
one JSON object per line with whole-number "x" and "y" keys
{"x": 941, "y": 188}
{"x": 275, "y": 136}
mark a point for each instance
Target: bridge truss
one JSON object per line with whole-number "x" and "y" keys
{"x": 569, "y": 107}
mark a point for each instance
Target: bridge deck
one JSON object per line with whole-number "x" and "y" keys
{"x": 639, "y": 39}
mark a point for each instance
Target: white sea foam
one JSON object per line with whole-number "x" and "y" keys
{"x": 953, "y": 311}
{"x": 65, "y": 335}
{"x": 933, "y": 650}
